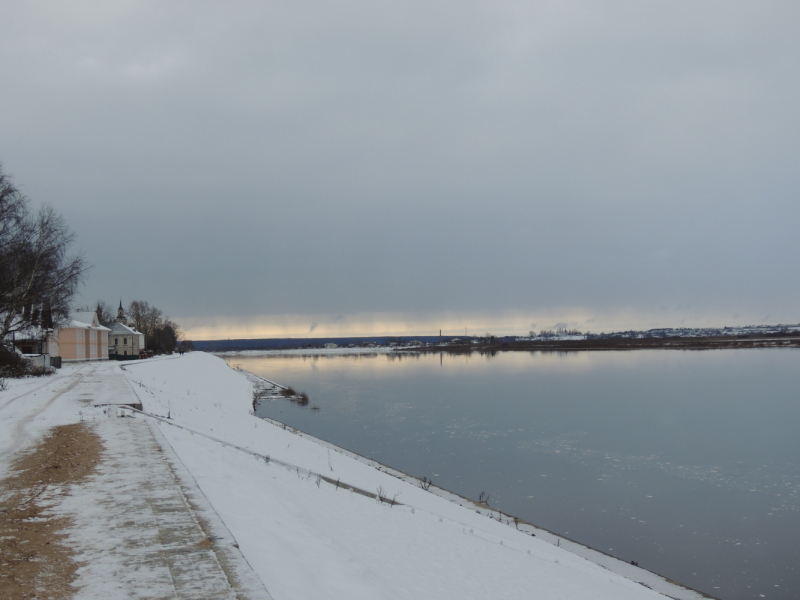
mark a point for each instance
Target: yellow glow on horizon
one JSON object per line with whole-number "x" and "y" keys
{"x": 451, "y": 323}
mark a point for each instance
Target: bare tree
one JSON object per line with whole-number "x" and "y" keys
{"x": 38, "y": 279}
{"x": 105, "y": 314}
{"x": 145, "y": 318}
{"x": 165, "y": 338}
{"x": 160, "y": 334}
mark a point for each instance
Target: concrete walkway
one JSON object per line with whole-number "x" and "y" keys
{"x": 140, "y": 525}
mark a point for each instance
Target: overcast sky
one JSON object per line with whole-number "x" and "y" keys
{"x": 274, "y": 168}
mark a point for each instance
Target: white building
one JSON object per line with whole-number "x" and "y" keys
{"x": 124, "y": 343}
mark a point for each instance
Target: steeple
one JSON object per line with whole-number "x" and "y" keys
{"x": 121, "y": 314}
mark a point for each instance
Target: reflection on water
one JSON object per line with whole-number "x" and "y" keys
{"x": 686, "y": 462}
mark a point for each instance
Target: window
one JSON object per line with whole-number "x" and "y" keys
{"x": 124, "y": 341}
{"x": 116, "y": 341}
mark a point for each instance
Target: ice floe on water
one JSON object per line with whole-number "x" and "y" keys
{"x": 780, "y": 481}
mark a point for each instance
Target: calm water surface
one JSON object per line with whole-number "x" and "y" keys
{"x": 686, "y": 462}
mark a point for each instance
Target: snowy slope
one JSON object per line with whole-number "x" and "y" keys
{"x": 306, "y": 537}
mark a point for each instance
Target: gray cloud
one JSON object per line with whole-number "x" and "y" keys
{"x": 354, "y": 158}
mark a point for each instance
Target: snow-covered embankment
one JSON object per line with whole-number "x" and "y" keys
{"x": 307, "y": 538}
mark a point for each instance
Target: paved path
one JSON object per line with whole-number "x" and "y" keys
{"x": 141, "y": 526}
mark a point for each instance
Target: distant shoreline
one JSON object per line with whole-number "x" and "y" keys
{"x": 687, "y": 338}
{"x": 573, "y": 345}
{"x": 665, "y": 343}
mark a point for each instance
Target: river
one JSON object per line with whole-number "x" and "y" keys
{"x": 684, "y": 461}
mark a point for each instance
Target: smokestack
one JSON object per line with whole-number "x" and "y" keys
{"x": 440, "y": 336}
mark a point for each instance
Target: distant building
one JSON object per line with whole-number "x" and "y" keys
{"x": 121, "y": 318}
{"x": 124, "y": 343}
{"x": 80, "y": 338}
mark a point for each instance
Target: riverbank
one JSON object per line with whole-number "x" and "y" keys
{"x": 681, "y": 461}
{"x": 419, "y": 545}
{"x": 596, "y": 344}
{"x": 601, "y": 344}
{"x": 310, "y": 519}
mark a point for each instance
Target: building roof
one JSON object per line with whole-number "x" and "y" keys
{"x": 87, "y": 317}
{"x": 120, "y": 329}
{"x": 83, "y": 320}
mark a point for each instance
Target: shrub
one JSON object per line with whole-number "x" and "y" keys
{"x": 300, "y": 398}
{"x": 12, "y": 364}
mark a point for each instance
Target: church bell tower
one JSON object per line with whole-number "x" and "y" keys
{"x": 121, "y": 314}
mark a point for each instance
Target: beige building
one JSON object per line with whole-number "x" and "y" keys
{"x": 80, "y": 338}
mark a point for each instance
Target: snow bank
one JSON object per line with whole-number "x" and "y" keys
{"x": 306, "y": 537}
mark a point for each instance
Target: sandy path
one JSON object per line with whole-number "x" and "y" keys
{"x": 34, "y": 559}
